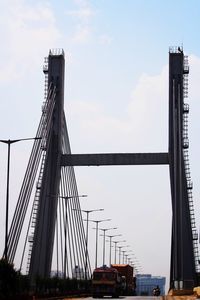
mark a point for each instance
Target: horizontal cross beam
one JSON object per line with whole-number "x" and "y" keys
{"x": 108, "y": 159}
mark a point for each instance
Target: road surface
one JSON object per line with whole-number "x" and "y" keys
{"x": 124, "y": 298}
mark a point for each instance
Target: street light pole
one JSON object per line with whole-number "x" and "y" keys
{"x": 126, "y": 255}
{"x": 97, "y": 229}
{"x": 110, "y": 237}
{"x": 86, "y": 239}
{"x": 104, "y": 241}
{"x": 86, "y": 246}
{"x": 116, "y": 242}
{"x": 9, "y": 142}
{"x": 120, "y": 248}
{"x": 65, "y": 234}
{"x": 123, "y": 256}
{"x": 120, "y": 253}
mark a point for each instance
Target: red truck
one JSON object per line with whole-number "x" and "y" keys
{"x": 106, "y": 282}
{"x": 129, "y": 283}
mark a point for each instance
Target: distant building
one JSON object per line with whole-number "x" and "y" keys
{"x": 145, "y": 283}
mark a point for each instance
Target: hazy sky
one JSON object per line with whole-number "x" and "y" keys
{"x": 116, "y": 100}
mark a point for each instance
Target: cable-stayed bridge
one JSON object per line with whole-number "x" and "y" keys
{"x": 55, "y": 224}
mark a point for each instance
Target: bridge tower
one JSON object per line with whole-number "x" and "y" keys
{"x": 41, "y": 256}
{"x": 56, "y": 194}
{"x": 184, "y": 247}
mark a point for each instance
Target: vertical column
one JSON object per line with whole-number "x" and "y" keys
{"x": 41, "y": 257}
{"x": 182, "y": 273}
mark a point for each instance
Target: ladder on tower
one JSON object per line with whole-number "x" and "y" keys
{"x": 185, "y": 144}
{"x": 47, "y": 94}
{"x": 35, "y": 211}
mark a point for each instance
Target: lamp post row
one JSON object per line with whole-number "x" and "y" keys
{"x": 104, "y": 235}
{"x": 104, "y": 240}
{"x": 86, "y": 247}
{"x": 110, "y": 237}
{"x": 97, "y": 231}
{"x": 87, "y": 236}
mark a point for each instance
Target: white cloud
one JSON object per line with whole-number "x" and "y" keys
{"x": 81, "y": 3}
{"x": 105, "y": 39}
{"x": 148, "y": 108}
{"x": 82, "y": 15}
{"x": 194, "y": 63}
{"x": 83, "y": 29}
{"x": 144, "y": 119}
{"x": 27, "y": 31}
{"x": 81, "y": 34}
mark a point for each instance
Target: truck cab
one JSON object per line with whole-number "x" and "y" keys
{"x": 106, "y": 282}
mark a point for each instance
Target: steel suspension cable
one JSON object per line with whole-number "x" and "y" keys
{"x": 19, "y": 212}
{"x": 71, "y": 225}
{"x": 27, "y": 174}
{"x": 72, "y": 221}
{"x": 30, "y": 174}
{"x": 27, "y": 186}
{"x": 74, "y": 191}
{"x": 76, "y": 202}
{"x": 66, "y": 191}
{"x": 61, "y": 240}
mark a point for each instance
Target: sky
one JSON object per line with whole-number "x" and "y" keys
{"x": 116, "y": 100}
